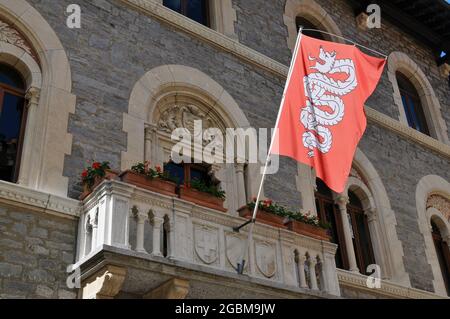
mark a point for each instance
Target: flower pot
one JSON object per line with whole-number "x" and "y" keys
{"x": 156, "y": 185}
{"x": 263, "y": 217}
{"x": 87, "y": 190}
{"x": 203, "y": 199}
{"x": 308, "y": 230}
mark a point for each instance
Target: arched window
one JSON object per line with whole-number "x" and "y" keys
{"x": 306, "y": 24}
{"x": 12, "y": 122}
{"x": 443, "y": 254}
{"x": 197, "y": 10}
{"x": 412, "y": 104}
{"x": 329, "y": 212}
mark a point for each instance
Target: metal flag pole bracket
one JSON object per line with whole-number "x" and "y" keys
{"x": 238, "y": 228}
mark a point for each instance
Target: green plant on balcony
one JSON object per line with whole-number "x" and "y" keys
{"x": 203, "y": 187}
{"x": 270, "y": 207}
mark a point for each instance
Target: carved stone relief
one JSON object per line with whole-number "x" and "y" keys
{"x": 234, "y": 250}
{"x": 206, "y": 243}
{"x": 266, "y": 258}
{"x": 441, "y": 203}
{"x": 10, "y": 35}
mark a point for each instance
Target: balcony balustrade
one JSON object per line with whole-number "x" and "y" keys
{"x": 160, "y": 227}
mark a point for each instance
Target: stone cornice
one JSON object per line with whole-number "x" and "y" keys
{"x": 20, "y": 196}
{"x": 388, "y": 289}
{"x": 387, "y": 122}
{"x": 158, "y": 11}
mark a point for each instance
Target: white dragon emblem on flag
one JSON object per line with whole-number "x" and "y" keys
{"x": 323, "y": 91}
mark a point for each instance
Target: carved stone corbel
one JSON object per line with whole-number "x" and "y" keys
{"x": 105, "y": 284}
{"x": 173, "y": 289}
{"x": 445, "y": 69}
{"x": 32, "y": 96}
{"x": 361, "y": 21}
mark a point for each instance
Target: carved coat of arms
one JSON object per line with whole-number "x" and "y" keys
{"x": 206, "y": 244}
{"x": 234, "y": 250}
{"x": 266, "y": 259}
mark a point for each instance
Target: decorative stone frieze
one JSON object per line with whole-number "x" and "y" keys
{"x": 441, "y": 203}
{"x": 9, "y": 34}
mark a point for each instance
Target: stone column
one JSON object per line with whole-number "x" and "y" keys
{"x": 32, "y": 96}
{"x": 312, "y": 273}
{"x": 306, "y": 184}
{"x": 242, "y": 197}
{"x": 87, "y": 236}
{"x": 157, "y": 223}
{"x": 301, "y": 271}
{"x": 149, "y": 151}
{"x": 94, "y": 224}
{"x": 141, "y": 219}
{"x": 342, "y": 202}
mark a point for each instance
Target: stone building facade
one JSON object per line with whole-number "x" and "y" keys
{"x": 105, "y": 92}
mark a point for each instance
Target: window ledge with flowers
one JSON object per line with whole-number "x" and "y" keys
{"x": 93, "y": 175}
{"x": 154, "y": 179}
{"x": 278, "y": 216}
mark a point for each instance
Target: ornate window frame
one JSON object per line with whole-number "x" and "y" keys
{"x": 427, "y": 186}
{"x": 160, "y": 83}
{"x": 313, "y": 12}
{"x": 222, "y": 15}
{"x": 400, "y": 62}
{"x": 388, "y": 250}
{"x": 48, "y": 79}
{"x": 368, "y": 186}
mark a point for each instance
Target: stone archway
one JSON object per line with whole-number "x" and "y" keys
{"x": 313, "y": 12}
{"x": 428, "y": 209}
{"x": 49, "y": 84}
{"x": 400, "y": 62}
{"x": 197, "y": 93}
{"x": 388, "y": 250}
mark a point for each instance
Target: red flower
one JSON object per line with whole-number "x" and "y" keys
{"x": 254, "y": 198}
{"x": 158, "y": 169}
{"x": 84, "y": 174}
{"x": 96, "y": 165}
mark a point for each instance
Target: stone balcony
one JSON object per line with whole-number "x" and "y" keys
{"x": 137, "y": 243}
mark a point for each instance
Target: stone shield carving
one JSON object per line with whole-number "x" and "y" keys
{"x": 266, "y": 259}
{"x": 234, "y": 246}
{"x": 206, "y": 243}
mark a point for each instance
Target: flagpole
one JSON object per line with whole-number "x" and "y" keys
{"x": 252, "y": 222}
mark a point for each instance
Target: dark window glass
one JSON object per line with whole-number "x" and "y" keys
{"x": 361, "y": 236}
{"x": 412, "y": 105}
{"x": 185, "y": 173}
{"x": 443, "y": 254}
{"x": 200, "y": 173}
{"x": 302, "y": 22}
{"x": 12, "y": 122}
{"x": 175, "y": 170}
{"x": 329, "y": 212}
{"x": 197, "y": 10}
{"x": 10, "y": 77}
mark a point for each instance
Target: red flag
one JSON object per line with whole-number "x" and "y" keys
{"x": 322, "y": 115}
